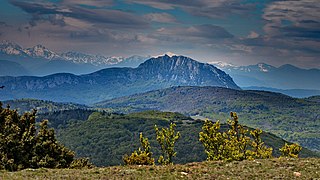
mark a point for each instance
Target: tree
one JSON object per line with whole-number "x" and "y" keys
{"x": 291, "y": 150}
{"x": 140, "y": 157}
{"x": 22, "y": 146}
{"x": 234, "y": 144}
{"x": 259, "y": 150}
{"x": 48, "y": 152}
{"x": 167, "y": 138}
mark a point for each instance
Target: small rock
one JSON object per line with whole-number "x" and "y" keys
{"x": 297, "y": 174}
{"x": 184, "y": 173}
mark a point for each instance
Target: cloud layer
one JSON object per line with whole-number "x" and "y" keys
{"x": 283, "y": 31}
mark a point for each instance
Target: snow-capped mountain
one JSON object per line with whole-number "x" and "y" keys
{"x": 39, "y": 51}
{"x": 170, "y": 54}
{"x": 265, "y": 75}
{"x": 96, "y": 60}
{"x": 260, "y": 67}
{"x": 221, "y": 64}
{"x": 133, "y": 61}
{"x": 10, "y": 48}
{"x": 40, "y": 61}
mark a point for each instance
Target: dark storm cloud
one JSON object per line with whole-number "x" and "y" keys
{"x": 293, "y": 19}
{"x": 95, "y": 3}
{"x": 48, "y": 11}
{"x": 301, "y": 32}
{"x": 206, "y": 8}
{"x": 294, "y": 26}
{"x": 3, "y": 24}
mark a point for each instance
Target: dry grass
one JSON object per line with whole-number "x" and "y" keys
{"x": 258, "y": 169}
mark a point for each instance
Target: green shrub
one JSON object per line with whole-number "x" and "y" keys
{"x": 291, "y": 150}
{"x": 234, "y": 144}
{"x": 213, "y": 140}
{"x": 140, "y": 157}
{"x": 81, "y": 163}
{"x": 167, "y": 137}
{"x": 259, "y": 150}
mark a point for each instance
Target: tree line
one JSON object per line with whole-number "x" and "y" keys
{"x": 234, "y": 144}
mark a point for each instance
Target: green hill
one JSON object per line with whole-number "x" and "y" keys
{"x": 105, "y": 137}
{"x": 314, "y": 98}
{"x": 296, "y": 120}
{"x": 59, "y": 119}
{"x": 42, "y": 106}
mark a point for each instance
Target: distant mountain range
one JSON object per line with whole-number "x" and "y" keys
{"x": 298, "y": 93}
{"x": 296, "y": 120}
{"x": 155, "y": 73}
{"x": 264, "y": 75}
{"x": 41, "y": 61}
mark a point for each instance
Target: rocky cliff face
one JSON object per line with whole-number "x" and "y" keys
{"x": 180, "y": 70}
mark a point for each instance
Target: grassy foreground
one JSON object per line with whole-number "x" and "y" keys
{"x": 305, "y": 168}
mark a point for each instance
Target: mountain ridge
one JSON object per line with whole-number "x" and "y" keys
{"x": 297, "y": 93}
{"x": 286, "y": 76}
{"x": 41, "y": 52}
{"x": 115, "y": 82}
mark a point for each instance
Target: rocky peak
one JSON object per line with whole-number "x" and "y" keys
{"x": 184, "y": 70}
{"x": 10, "y": 48}
{"x": 222, "y": 65}
{"x": 264, "y": 67}
{"x": 39, "y": 51}
{"x": 97, "y": 60}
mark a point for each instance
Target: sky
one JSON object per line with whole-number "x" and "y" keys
{"x": 241, "y": 32}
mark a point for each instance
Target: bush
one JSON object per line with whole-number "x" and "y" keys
{"x": 213, "y": 140}
{"x": 167, "y": 137}
{"x": 140, "y": 157}
{"x": 259, "y": 150}
{"x": 81, "y": 163}
{"x": 234, "y": 144}
{"x": 292, "y": 150}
